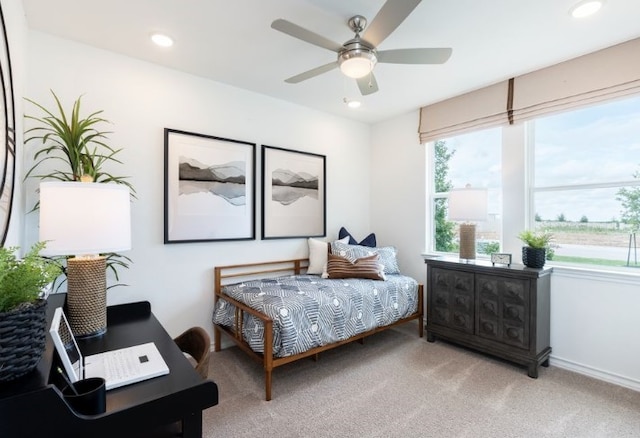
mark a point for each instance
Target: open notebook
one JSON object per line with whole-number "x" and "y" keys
{"x": 118, "y": 367}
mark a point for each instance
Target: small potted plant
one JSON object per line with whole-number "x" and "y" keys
{"x": 23, "y": 309}
{"x": 534, "y": 253}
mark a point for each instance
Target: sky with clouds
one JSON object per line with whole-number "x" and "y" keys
{"x": 594, "y": 145}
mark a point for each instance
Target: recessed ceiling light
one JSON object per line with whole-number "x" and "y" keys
{"x": 352, "y": 103}
{"x": 162, "y": 40}
{"x": 585, "y": 8}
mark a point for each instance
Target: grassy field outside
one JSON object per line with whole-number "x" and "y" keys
{"x": 577, "y": 233}
{"x": 603, "y": 243}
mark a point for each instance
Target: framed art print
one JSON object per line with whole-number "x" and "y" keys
{"x": 209, "y": 191}
{"x": 293, "y": 194}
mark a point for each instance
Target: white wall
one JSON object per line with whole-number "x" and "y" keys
{"x": 594, "y": 324}
{"x": 141, "y": 99}
{"x": 398, "y": 194}
{"x": 594, "y": 316}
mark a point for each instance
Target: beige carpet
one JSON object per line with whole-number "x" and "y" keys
{"x": 399, "y": 385}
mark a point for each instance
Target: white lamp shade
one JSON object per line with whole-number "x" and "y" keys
{"x": 79, "y": 218}
{"x": 468, "y": 204}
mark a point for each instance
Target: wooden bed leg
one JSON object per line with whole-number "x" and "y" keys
{"x": 216, "y": 338}
{"x": 421, "y": 309}
{"x": 267, "y": 385}
{"x": 268, "y": 357}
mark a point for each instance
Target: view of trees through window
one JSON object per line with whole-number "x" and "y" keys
{"x": 472, "y": 159}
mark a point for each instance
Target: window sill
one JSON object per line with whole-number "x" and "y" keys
{"x": 609, "y": 274}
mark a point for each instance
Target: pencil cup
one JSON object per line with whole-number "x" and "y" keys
{"x": 91, "y": 397}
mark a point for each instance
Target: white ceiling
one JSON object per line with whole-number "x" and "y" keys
{"x": 231, "y": 41}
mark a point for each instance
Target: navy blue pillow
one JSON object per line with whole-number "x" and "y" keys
{"x": 369, "y": 241}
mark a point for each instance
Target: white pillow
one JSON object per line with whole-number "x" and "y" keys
{"x": 318, "y": 255}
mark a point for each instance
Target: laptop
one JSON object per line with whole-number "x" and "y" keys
{"x": 119, "y": 367}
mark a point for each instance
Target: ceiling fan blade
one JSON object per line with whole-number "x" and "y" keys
{"x": 367, "y": 84}
{"x": 415, "y": 56}
{"x": 312, "y": 73}
{"x": 389, "y": 17}
{"x": 303, "y": 34}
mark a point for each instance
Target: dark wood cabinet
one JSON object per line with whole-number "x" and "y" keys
{"x": 500, "y": 310}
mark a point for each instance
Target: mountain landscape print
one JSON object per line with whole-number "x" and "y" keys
{"x": 209, "y": 188}
{"x": 288, "y": 186}
{"x": 227, "y": 180}
{"x": 293, "y": 193}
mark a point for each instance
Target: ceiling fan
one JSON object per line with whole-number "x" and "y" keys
{"x": 358, "y": 56}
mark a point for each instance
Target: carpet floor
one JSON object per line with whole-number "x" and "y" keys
{"x": 399, "y": 385}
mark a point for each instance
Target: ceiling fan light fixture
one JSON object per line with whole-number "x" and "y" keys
{"x": 585, "y": 8}
{"x": 356, "y": 63}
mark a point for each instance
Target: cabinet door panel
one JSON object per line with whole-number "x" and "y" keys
{"x": 503, "y": 309}
{"x": 452, "y": 299}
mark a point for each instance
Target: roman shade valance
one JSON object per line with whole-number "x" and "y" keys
{"x": 596, "y": 77}
{"x": 479, "y": 109}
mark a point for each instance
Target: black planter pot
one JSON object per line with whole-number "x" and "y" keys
{"x": 22, "y": 339}
{"x": 534, "y": 257}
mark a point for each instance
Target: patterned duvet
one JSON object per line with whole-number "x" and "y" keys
{"x": 309, "y": 311}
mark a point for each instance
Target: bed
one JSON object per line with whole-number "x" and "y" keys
{"x": 278, "y": 312}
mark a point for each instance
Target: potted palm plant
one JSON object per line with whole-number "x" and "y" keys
{"x": 80, "y": 144}
{"x": 23, "y": 309}
{"x": 74, "y": 140}
{"x": 537, "y": 243}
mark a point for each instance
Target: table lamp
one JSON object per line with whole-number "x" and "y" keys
{"x": 468, "y": 204}
{"x": 84, "y": 220}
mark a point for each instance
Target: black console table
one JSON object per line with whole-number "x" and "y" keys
{"x": 499, "y": 310}
{"x": 32, "y": 406}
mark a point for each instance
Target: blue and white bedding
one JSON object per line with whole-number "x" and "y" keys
{"x": 309, "y": 311}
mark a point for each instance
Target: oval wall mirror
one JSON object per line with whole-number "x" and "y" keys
{"x": 7, "y": 134}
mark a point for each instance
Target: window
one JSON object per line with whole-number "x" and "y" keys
{"x": 473, "y": 159}
{"x": 586, "y": 182}
{"x": 582, "y": 185}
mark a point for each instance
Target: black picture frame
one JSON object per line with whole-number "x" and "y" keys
{"x": 294, "y": 202}
{"x": 209, "y": 188}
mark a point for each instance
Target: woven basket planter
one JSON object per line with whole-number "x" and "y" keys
{"x": 534, "y": 257}
{"x": 22, "y": 339}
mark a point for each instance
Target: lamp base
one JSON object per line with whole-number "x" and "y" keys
{"x": 468, "y": 241}
{"x": 87, "y": 296}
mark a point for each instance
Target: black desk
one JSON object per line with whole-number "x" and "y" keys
{"x": 33, "y": 405}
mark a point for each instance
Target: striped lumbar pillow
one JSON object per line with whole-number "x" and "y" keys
{"x": 364, "y": 267}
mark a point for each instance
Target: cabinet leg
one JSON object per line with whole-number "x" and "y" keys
{"x": 546, "y": 363}
{"x": 430, "y": 337}
{"x": 532, "y": 370}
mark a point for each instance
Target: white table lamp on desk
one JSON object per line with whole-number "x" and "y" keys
{"x": 85, "y": 220}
